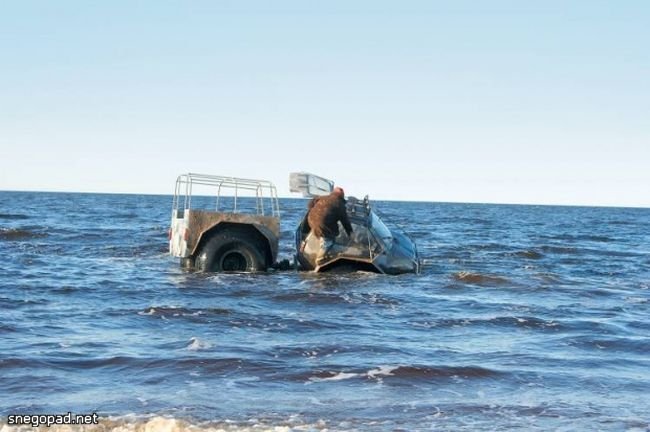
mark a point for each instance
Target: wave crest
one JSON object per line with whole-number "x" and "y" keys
{"x": 480, "y": 279}
{"x": 16, "y": 234}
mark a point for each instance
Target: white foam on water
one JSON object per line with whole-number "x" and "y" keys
{"x": 130, "y": 423}
{"x": 377, "y": 373}
{"x": 150, "y": 311}
{"x": 338, "y": 377}
{"x": 197, "y": 344}
{"x": 381, "y": 371}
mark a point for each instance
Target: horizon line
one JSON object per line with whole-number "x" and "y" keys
{"x": 380, "y": 200}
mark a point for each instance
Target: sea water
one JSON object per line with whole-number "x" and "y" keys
{"x": 523, "y": 318}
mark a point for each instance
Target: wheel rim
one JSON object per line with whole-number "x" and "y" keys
{"x": 234, "y": 261}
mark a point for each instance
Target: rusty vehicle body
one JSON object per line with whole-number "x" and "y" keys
{"x": 224, "y": 223}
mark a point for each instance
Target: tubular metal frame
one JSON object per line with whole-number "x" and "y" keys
{"x": 264, "y": 190}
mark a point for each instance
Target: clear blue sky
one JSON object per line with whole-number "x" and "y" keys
{"x": 467, "y": 101}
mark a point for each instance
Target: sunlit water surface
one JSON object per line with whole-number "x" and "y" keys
{"x": 524, "y": 317}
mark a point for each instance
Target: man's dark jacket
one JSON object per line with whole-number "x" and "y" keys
{"x": 324, "y": 214}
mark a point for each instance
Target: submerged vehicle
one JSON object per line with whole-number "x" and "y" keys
{"x": 215, "y": 228}
{"x": 371, "y": 246}
{"x": 233, "y": 224}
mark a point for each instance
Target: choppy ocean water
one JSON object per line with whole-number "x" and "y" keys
{"x": 524, "y": 318}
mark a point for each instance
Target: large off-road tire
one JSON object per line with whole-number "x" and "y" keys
{"x": 231, "y": 251}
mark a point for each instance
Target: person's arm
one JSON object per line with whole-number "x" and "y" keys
{"x": 305, "y": 223}
{"x": 345, "y": 220}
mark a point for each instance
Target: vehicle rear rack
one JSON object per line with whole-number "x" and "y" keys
{"x": 262, "y": 190}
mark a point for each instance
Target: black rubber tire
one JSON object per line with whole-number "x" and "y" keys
{"x": 231, "y": 251}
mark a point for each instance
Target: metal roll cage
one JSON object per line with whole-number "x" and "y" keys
{"x": 263, "y": 190}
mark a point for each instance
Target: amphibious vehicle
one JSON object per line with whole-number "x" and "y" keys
{"x": 233, "y": 224}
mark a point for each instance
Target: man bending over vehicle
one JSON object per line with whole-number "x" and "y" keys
{"x": 325, "y": 212}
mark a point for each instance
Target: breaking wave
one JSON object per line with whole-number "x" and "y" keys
{"x": 415, "y": 373}
{"x": 167, "y": 424}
